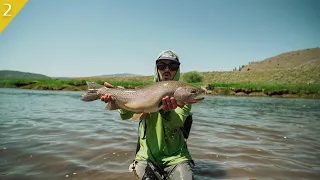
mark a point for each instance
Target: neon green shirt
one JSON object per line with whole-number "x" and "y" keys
{"x": 161, "y": 139}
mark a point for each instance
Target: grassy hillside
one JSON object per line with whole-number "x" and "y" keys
{"x": 7, "y": 74}
{"x": 266, "y": 76}
{"x": 301, "y": 59}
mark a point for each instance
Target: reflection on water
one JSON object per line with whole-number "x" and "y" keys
{"x": 54, "y": 135}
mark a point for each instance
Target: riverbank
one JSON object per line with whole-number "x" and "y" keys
{"x": 310, "y": 91}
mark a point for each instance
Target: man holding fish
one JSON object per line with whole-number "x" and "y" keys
{"x": 162, "y": 151}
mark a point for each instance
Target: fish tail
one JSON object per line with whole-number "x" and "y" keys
{"x": 92, "y": 92}
{"x": 90, "y": 97}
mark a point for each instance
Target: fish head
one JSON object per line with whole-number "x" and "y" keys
{"x": 188, "y": 94}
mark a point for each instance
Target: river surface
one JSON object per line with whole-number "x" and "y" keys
{"x": 53, "y": 135}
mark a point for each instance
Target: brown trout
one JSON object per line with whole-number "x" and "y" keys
{"x": 147, "y": 98}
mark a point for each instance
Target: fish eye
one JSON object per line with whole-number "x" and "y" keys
{"x": 193, "y": 91}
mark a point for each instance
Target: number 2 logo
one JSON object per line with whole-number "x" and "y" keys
{"x": 8, "y": 10}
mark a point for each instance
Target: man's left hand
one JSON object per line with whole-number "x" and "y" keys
{"x": 169, "y": 103}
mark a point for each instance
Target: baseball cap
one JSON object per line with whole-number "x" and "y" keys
{"x": 168, "y": 55}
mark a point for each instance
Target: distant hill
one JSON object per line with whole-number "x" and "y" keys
{"x": 300, "y": 59}
{"x": 8, "y": 74}
{"x": 101, "y": 76}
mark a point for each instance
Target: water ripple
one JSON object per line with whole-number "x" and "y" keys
{"x": 54, "y": 135}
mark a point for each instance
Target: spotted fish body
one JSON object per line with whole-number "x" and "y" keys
{"x": 145, "y": 99}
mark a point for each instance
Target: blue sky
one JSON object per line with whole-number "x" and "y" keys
{"x": 85, "y": 38}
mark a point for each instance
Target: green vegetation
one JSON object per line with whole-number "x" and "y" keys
{"x": 62, "y": 84}
{"x": 42, "y": 84}
{"x": 223, "y": 88}
{"x": 192, "y": 77}
{"x": 285, "y": 90}
{"x": 269, "y": 87}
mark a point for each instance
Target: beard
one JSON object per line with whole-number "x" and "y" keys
{"x": 166, "y": 76}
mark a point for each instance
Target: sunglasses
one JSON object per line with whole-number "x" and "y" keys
{"x": 171, "y": 66}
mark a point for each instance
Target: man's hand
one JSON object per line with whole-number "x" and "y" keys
{"x": 170, "y": 103}
{"x": 107, "y": 97}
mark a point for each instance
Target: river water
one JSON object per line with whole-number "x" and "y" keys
{"x": 54, "y": 135}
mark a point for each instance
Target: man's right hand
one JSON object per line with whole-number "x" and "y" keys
{"x": 107, "y": 97}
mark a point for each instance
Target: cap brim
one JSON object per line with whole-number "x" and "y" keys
{"x": 170, "y": 59}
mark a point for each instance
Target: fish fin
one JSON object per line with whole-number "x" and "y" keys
{"x": 140, "y": 116}
{"x": 181, "y": 103}
{"x": 112, "y": 106}
{"x": 136, "y": 116}
{"x": 120, "y": 87}
{"x": 93, "y": 85}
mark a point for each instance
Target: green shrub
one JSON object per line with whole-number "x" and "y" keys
{"x": 192, "y": 77}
